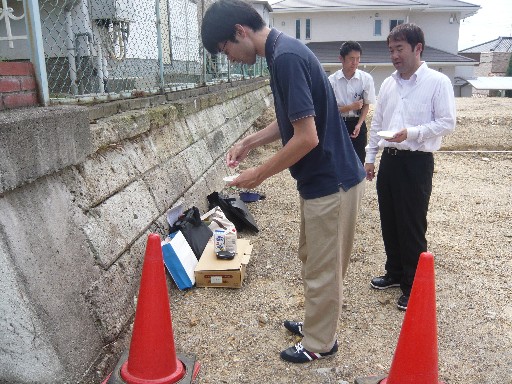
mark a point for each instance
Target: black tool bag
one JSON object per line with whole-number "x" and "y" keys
{"x": 194, "y": 230}
{"x": 235, "y": 210}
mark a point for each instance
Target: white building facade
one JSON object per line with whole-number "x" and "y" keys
{"x": 368, "y": 22}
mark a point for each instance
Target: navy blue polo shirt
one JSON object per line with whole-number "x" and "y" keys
{"x": 301, "y": 88}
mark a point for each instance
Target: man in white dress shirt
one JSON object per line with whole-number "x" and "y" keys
{"x": 354, "y": 91}
{"x": 417, "y": 105}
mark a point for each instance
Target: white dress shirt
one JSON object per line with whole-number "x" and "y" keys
{"x": 349, "y": 90}
{"x": 424, "y": 104}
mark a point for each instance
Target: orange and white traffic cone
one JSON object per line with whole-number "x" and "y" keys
{"x": 152, "y": 357}
{"x": 415, "y": 360}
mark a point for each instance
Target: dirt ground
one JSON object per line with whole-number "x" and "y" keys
{"x": 237, "y": 334}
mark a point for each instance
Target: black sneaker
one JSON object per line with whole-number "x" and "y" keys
{"x": 402, "y": 302}
{"x": 294, "y": 327}
{"x": 384, "y": 282}
{"x": 299, "y": 354}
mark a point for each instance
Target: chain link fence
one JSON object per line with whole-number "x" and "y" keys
{"x": 127, "y": 47}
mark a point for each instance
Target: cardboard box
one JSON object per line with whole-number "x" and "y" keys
{"x": 212, "y": 272}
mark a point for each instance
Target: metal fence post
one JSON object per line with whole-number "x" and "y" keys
{"x": 35, "y": 38}
{"x": 203, "y": 69}
{"x": 159, "y": 44}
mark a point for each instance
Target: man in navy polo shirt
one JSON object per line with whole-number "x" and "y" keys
{"x": 316, "y": 149}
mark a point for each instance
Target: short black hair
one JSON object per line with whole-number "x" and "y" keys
{"x": 220, "y": 19}
{"x": 349, "y": 46}
{"x": 408, "y": 32}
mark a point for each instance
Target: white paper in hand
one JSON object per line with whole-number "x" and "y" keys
{"x": 229, "y": 179}
{"x": 386, "y": 134}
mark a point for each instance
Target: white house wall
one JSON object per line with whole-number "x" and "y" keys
{"x": 353, "y": 25}
{"x": 53, "y": 28}
{"x": 184, "y": 30}
{"x": 165, "y": 29}
{"x": 142, "y": 43}
{"x": 439, "y": 33}
{"x": 466, "y": 72}
{"x": 263, "y": 11}
{"x": 359, "y": 26}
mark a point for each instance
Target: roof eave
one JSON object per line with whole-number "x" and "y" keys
{"x": 349, "y": 9}
{"x": 469, "y": 12}
{"x": 388, "y": 64}
{"x": 457, "y": 63}
{"x": 464, "y": 11}
{"x": 265, "y": 3}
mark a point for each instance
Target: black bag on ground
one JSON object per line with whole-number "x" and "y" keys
{"x": 194, "y": 230}
{"x": 235, "y": 210}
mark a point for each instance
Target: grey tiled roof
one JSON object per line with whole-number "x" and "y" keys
{"x": 501, "y": 44}
{"x": 376, "y": 52}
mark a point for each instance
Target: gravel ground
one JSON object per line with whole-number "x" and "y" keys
{"x": 237, "y": 334}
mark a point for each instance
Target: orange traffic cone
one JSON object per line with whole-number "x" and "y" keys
{"x": 152, "y": 357}
{"x": 415, "y": 359}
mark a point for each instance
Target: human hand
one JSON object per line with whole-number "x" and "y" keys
{"x": 356, "y": 131}
{"x": 236, "y": 154}
{"x": 248, "y": 179}
{"x": 399, "y": 136}
{"x": 370, "y": 171}
{"x": 357, "y": 105}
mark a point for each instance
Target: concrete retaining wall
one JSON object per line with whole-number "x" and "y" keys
{"x": 80, "y": 190}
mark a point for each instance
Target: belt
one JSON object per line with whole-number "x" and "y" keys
{"x": 404, "y": 152}
{"x": 350, "y": 118}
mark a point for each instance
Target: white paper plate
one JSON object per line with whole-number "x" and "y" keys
{"x": 386, "y": 134}
{"x": 229, "y": 179}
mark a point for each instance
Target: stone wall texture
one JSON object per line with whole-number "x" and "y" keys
{"x": 81, "y": 187}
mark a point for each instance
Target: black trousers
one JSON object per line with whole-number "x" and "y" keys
{"x": 360, "y": 141}
{"x": 404, "y": 185}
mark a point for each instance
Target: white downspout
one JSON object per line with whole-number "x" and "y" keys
{"x": 99, "y": 66}
{"x": 70, "y": 48}
{"x": 104, "y": 70}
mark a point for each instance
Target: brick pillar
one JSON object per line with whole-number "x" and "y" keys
{"x": 18, "y": 87}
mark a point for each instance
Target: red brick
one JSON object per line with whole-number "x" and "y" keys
{"x": 20, "y": 100}
{"x": 9, "y": 84}
{"x": 14, "y": 68}
{"x": 28, "y": 83}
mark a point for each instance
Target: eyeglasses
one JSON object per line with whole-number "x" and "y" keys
{"x": 224, "y": 47}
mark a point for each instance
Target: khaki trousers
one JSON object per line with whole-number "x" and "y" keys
{"x": 325, "y": 244}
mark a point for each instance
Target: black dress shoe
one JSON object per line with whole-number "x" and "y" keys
{"x": 402, "y": 302}
{"x": 384, "y": 282}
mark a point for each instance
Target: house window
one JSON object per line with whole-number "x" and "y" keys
{"x": 297, "y": 29}
{"x": 377, "y": 29}
{"x": 308, "y": 29}
{"x": 394, "y": 23}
